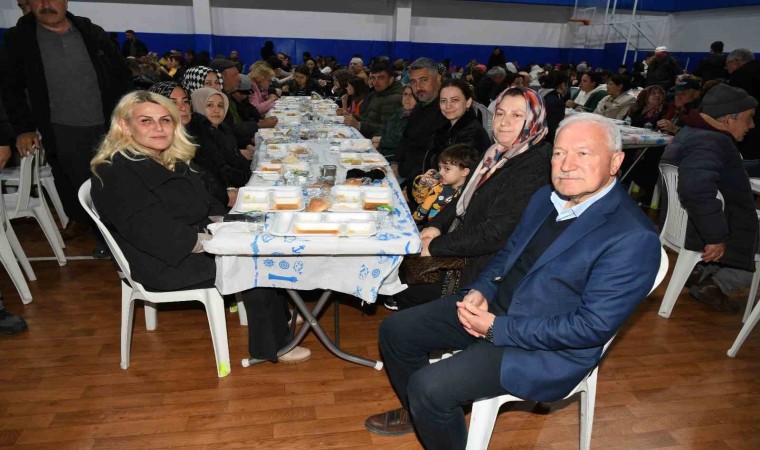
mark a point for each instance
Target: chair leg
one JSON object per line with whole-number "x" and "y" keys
{"x": 482, "y": 420}
{"x": 49, "y": 185}
{"x": 218, "y": 324}
{"x": 588, "y": 401}
{"x": 151, "y": 315}
{"x": 127, "y": 317}
{"x": 11, "y": 266}
{"x": 51, "y": 233}
{"x": 684, "y": 265}
{"x": 745, "y": 331}
{"x": 19, "y": 252}
{"x": 241, "y": 309}
{"x": 752, "y": 292}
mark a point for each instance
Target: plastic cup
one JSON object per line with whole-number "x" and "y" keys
{"x": 255, "y": 221}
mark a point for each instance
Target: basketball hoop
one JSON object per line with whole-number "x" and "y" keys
{"x": 583, "y": 21}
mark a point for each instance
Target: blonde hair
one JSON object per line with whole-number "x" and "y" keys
{"x": 117, "y": 141}
{"x": 260, "y": 71}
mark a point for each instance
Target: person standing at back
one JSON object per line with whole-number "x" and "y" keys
{"x": 74, "y": 75}
{"x": 712, "y": 66}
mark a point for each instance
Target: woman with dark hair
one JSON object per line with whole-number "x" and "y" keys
{"x": 555, "y": 86}
{"x": 481, "y": 219}
{"x": 649, "y": 108}
{"x": 340, "y": 85}
{"x": 302, "y": 84}
{"x": 618, "y": 101}
{"x": 591, "y": 91}
{"x": 455, "y": 99}
{"x": 390, "y": 138}
{"x": 356, "y": 93}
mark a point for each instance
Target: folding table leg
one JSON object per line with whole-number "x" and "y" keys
{"x": 310, "y": 322}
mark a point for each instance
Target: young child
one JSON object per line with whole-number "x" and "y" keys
{"x": 434, "y": 190}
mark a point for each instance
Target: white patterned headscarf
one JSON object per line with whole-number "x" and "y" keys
{"x": 195, "y": 78}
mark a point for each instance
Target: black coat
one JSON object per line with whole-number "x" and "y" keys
{"x": 423, "y": 122}
{"x": 708, "y": 161}
{"x": 554, "y": 105}
{"x": 6, "y": 132}
{"x": 663, "y": 72}
{"x": 466, "y": 130}
{"x": 139, "y": 46}
{"x": 711, "y": 67}
{"x": 21, "y": 69}
{"x": 494, "y": 211}
{"x": 747, "y": 77}
{"x": 155, "y": 216}
{"x": 218, "y": 157}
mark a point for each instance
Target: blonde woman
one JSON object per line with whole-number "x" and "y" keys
{"x": 157, "y": 208}
{"x": 261, "y": 79}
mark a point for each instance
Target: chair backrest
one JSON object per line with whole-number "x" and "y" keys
{"x": 28, "y": 168}
{"x": 674, "y": 230}
{"x": 486, "y": 117}
{"x": 86, "y": 200}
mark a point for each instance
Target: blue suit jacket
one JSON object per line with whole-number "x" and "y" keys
{"x": 575, "y": 297}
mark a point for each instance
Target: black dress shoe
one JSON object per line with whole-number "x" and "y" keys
{"x": 710, "y": 294}
{"x": 695, "y": 277}
{"x": 101, "y": 251}
{"x": 390, "y": 423}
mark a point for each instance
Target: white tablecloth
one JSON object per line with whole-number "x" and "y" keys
{"x": 362, "y": 267}
{"x": 634, "y": 137}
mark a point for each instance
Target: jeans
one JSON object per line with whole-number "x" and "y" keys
{"x": 435, "y": 393}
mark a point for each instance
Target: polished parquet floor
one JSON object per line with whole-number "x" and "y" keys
{"x": 665, "y": 384}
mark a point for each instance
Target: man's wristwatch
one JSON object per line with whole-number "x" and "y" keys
{"x": 489, "y": 334}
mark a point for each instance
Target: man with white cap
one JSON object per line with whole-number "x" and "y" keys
{"x": 663, "y": 70}
{"x": 708, "y": 161}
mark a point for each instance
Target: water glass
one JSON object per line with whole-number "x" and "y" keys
{"x": 255, "y": 221}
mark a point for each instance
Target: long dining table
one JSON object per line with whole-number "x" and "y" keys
{"x": 361, "y": 266}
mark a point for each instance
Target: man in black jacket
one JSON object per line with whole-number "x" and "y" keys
{"x": 713, "y": 65}
{"x": 709, "y": 162}
{"x": 663, "y": 70}
{"x": 133, "y": 46}
{"x": 425, "y": 119}
{"x": 73, "y": 75}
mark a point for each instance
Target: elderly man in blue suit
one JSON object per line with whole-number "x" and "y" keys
{"x": 536, "y": 320}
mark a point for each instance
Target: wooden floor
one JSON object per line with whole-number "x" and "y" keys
{"x": 666, "y": 383}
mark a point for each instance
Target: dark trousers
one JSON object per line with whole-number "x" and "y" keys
{"x": 417, "y": 294}
{"x": 268, "y": 315}
{"x": 69, "y": 159}
{"x": 435, "y": 393}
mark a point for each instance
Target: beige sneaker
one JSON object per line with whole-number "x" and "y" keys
{"x": 295, "y": 356}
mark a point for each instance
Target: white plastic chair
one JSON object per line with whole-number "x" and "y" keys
{"x": 11, "y": 177}
{"x": 486, "y": 118}
{"x": 751, "y": 314}
{"x": 673, "y": 236}
{"x": 484, "y": 412}
{"x": 10, "y": 249}
{"x": 132, "y": 290}
{"x": 22, "y": 204}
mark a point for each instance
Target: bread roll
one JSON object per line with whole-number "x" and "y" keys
{"x": 318, "y": 205}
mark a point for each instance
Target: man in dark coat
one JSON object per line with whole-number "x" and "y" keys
{"x": 386, "y": 100}
{"x": 709, "y": 162}
{"x": 72, "y": 75}
{"x": 425, "y": 119}
{"x": 133, "y": 47}
{"x": 745, "y": 74}
{"x": 713, "y": 65}
{"x": 663, "y": 70}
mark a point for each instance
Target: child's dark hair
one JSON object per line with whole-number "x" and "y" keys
{"x": 461, "y": 155}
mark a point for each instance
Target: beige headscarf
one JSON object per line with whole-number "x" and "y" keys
{"x": 200, "y": 97}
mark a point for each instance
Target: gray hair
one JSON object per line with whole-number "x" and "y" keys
{"x": 358, "y": 60}
{"x": 743, "y": 55}
{"x": 614, "y": 140}
{"x": 424, "y": 63}
{"x": 496, "y": 71}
